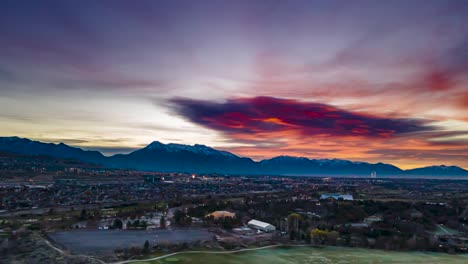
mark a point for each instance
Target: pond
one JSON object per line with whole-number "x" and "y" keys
{"x": 105, "y": 241}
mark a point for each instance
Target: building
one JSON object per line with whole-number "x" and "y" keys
{"x": 357, "y": 225}
{"x": 262, "y": 226}
{"x": 104, "y": 224}
{"x": 149, "y": 178}
{"x": 244, "y": 231}
{"x": 221, "y": 214}
{"x": 336, "y": 196}
{"x": 80, "y": 225}
{"x": 372, "y": 219}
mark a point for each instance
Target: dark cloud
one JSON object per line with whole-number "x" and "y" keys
{"x": 269, "y": 114}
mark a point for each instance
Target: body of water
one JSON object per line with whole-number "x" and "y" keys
{"x": 105, "y": 241}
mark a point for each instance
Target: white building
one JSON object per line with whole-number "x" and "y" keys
{"x": 262, "y": 226}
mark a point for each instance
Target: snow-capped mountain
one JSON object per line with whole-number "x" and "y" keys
{"x": 198, "y": 149}
{"x": 182, "y": 158}
{"x": 200, "y": 158}
{"x": 305, "y": 166}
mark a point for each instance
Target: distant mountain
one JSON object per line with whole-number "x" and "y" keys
{"x": 305, "y": 166}
{"x": 441, "y": 170}
{"x": 182, "y": 158}
{"x": 34, "y": 148}
{"x": 203, "y": 159}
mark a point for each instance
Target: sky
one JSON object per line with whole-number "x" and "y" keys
{"x": 374, "y": 81}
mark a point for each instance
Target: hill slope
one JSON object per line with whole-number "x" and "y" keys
{"x": 29, "y": 147}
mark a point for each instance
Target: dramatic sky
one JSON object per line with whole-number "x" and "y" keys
{"x": 361, "y": 80}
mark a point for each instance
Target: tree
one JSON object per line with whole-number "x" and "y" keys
{"x": 227, "y": 222}
{"x": 182, "y": 219}
{"x": 294, "y": 221}
{"x": 83, "y": 214}
{"x": 96, "y": 214}
{"x": 318, "y": 236}
{"x": 146, "y": 247}
{"x": 332, "y": 237}
{"x": 117, "y": 224}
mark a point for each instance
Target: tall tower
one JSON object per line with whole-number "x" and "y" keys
{"x": 373, "y": 174}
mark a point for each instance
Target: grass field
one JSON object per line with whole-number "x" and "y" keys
{"x": 309, "y": 255}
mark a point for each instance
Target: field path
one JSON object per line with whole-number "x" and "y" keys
{"x": 203, "y": 252}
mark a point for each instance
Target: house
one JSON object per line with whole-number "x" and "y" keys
{"x": 104, "y": 224}
{"x": 336, "y": 196}
{"x": 357, "y": 225}
{"x": 372, "y": 219}
{"x": 244, "y": 231}
{"x": 80, "y": 225}
{"x": 262, "y": 226}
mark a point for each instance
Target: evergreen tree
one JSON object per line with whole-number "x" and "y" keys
{"x": 146, "y": 247}
{"x": 117, "y": 224}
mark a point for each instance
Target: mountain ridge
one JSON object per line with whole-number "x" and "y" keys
{"x": 174, "y": 157}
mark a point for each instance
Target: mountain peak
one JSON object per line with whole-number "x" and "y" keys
{"x": 155, "y": 145}
{"x": 197, "y": 149}
{"x": 202, "y": 146}
{"x": 286, "y": 157}
{"x": 445, "y": 167}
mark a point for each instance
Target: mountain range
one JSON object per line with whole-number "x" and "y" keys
{"x": 203, "y": 159}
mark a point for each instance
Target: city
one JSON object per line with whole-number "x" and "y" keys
{"x": 97, "y": 212}
{"x": 233, "y": 132}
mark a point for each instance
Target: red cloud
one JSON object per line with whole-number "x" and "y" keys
{"x": 247, "y": 116}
